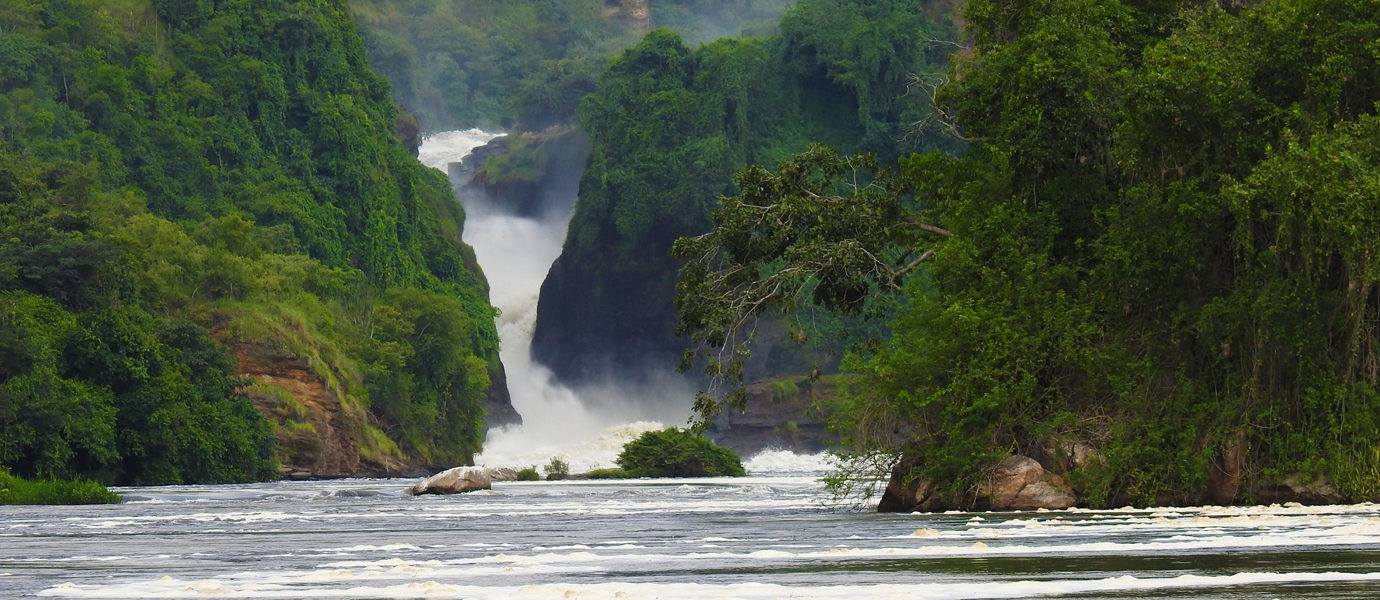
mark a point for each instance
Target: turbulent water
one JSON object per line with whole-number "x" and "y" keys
{"x": 515, "y": 253}
{"x": 764, "y": 536}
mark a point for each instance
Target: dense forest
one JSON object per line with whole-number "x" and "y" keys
{"x": 1153, "y": 269}
{"x": 1133, "y": 240}
{"x": 669, "y": 125}
{"x": 192, "y": 192}
{"x": 524, "y": 65}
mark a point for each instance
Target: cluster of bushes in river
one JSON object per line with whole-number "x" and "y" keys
{"x": 678, "y": 452}
{"x": 670, "y": 452}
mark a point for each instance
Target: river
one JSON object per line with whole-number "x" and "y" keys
{"x": 769, "y": 535}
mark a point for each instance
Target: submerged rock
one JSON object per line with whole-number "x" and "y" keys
{"x": 455, "y": 481}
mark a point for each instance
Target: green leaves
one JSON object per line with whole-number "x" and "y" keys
{"x": 1163, "y": 247}
{"x": 835, "y": 231}
{"x": 677, "y": 453}
{"x": 169, "y": 167}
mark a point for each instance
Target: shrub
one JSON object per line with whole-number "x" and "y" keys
{"x": 609, "y": 474}
{"x": 16, "y": 490}
{"x": 677, "y": 452}
{"x": 556, "y": 469}
{"x": 528, "y": 474}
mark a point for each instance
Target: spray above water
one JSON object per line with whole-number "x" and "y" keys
{"x": 516, "y": 252}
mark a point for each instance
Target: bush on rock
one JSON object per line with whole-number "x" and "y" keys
{"x": 678, "y": 453}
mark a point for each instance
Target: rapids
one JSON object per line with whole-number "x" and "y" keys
{"x": 768, "y": 535}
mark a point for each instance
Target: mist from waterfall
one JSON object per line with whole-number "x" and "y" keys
{"x": 516, "y": 252}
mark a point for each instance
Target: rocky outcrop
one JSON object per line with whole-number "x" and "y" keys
{"x": 1017, "y": 483}
{"x": 317, "y": 436}
{"x": 532, "y": 175}
{"x": 1297, "y": 488}
{"x": 455, "y": 481}
{"x": 780, "y": 414}
{"x": 498, "y": 403}
{"x": 1224, "y": 481}
{"x": 1021, "y": 483}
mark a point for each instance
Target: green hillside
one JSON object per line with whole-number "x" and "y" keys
{"x": 177, "y": 178}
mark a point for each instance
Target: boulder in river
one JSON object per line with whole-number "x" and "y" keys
{"x": 455, "y": 481}
{"x": 1021, "y": 483}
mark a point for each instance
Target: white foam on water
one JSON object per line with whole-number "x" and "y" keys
{"x": 440, "y": 149}
{"x": 421, "y": 584}
{"x": 394, "y": 547}
{"x": 523, "y": 447}
{"x": 785, "y": 461}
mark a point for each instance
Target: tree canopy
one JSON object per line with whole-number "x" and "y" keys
{"x": 176, "y": 177}
{"x": 670, "y": 124}
{"x": 1159, "y": 245}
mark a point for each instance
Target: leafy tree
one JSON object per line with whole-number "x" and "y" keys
{"x": 1157, "y": 249}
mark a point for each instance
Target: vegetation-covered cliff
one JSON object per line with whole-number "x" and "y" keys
{"x": 203, "y": 210}
{"x": 1153, "y": 271}
{"x": 669, "y": 125}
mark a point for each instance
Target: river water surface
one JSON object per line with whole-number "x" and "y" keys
{"x": 769, "y": 535}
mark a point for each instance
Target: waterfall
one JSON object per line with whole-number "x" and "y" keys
{"x": 516, "y": 252}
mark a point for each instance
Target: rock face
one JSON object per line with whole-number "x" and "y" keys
{"x": 455, "y": 481}
{"x": 1224, "y": 481}
{"x": 1020, "y": 483}
{"x": 636, "y": 13}
{"x": 542, "y": 180}
{"x": 318, "y": 436}
{"x": 498, "y": 403}
{"x": 1017, "y": 483}
{"x": 780, "y": 414}
{"x": 1297, "y": 488}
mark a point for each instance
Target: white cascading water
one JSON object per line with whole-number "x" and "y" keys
{"x": 516, "y": 253}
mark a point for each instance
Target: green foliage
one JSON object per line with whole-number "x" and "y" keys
{"x": 528, "y": 474}
{"x": 556, "y": 469}
{"x": 521, "y": 64}
{"x": 1161, "y": 248}
{"x": 16, "y": 490}
{"x": 669, "y": 125}
{"x": 677, "y": 452}
{"x": 609, "y": 474}
{"x": 833, "y": 231}
{"x": 166, "y": 170}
